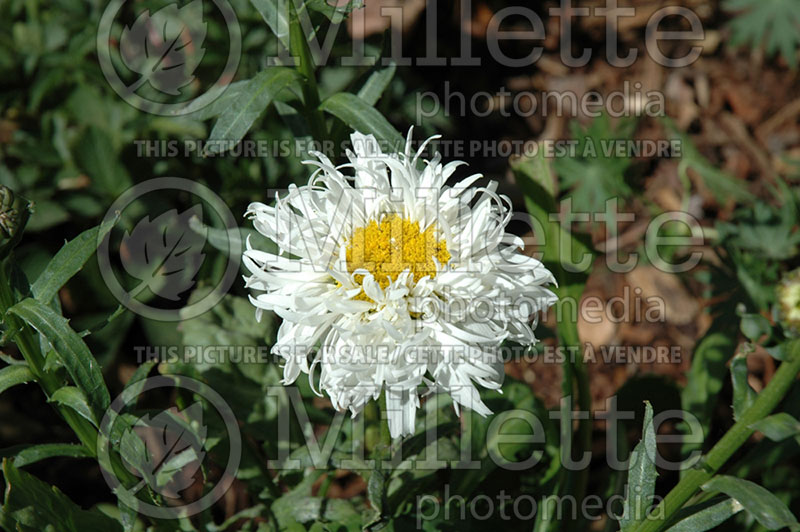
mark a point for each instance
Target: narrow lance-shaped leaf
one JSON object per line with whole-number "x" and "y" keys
{"x": 708, "y": 518}
{"x": 376, "y": 83}
{"x": 13, "y": 375}
{"x": 767, "y": 509}
{"x": 75, "y": 399}
{"x": 534, "y": 176}
{"x": 235, "y": 121}
{"x": 706, "y": 376}
{"x": 31, "y": 504}
{"x": 69, "y": 260}
{"x": 641, "y": 474}
{"x": 70, "y": 348}
{"x": 275, "y": 14}
{"x": 29, "y": 454}
{"x": 778, "y": 427}
{"x": 743, "y": 394}
{"x": 363, "y": 118}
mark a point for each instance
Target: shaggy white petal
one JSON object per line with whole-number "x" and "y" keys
{"x": 411, "y": 333}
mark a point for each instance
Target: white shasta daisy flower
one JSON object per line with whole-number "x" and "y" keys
{"x": 388, "y": 280}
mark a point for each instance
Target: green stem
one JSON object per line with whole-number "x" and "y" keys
{"x": 584, "y": 436}
{"x": 26, "y": 340}
{"x": 577, "y": 481}
{"x": 766, "y": 401}
{"x": 386, "y": 436}
{"x": 28, "y": 347}
{"x": 306, "y": 67}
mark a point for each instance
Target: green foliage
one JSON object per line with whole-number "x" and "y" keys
{"x": 244, "y": 109}
{"x": 770, "y": 512}
{"x": 31, "y": 504}
{"x": 773, "y": 23}
{"x": 641, "y": 475}
{"x": 596, "y": 173}
{"x": 707, "y": 516}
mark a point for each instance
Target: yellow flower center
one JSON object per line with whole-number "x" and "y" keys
{"x": 394, "y": 245}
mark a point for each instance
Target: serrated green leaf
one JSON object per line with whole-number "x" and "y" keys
{"x": 276, "y": 18}
{"x": 767, "y": 509}
{"x": 75, "y": 399}
{"x": 363, "y": 118}
{"x": 777, "y": 20}
{"x": 14, "y": 375}
{"x": 31, "y": 504}
{"x": 376, "y": 83}
{"x": 595, "y": 173}
{"x": 641, "y": 474}
{"x": 778, "y": 427}
{"x": 706, "y": 377}
{"x": 70, "y": 348}
{"x": 708, "y": 517}
{"x": 237, "y": 119}
{"x": 29, "y": 454}
{"x": 68, "y": 261}
{"x": 743, "y": 394}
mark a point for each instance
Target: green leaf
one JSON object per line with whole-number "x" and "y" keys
{"x": 75, "y": 399}
{"x": 70, "y": 348}
{"x": 31, "y": 504}
{"x": 376, "y": 83}
{"x": 259, "y": 510}
{"x": 276, "y": 19}
{"x": 754, "y": 326}
{"x": 767, "y": 509}
{"x": 535, "y": 177}
{"x": 641, "y": 474}
{"x": 503, "y": 445}
{"x": 68, "y": 261}
{"x": 298, "y": 506}
{"x": 334, "y": 11}
{"x": 13, "y": 375}
{"x": 778, "y": 427}
{"x": 708, "y": 517}
{"x": 706, "y": 377}
{"x": 722, "y": 185}
{"x": 376, "y": 490}
{"x": 773, "y": 24}
{"x": 237, "y": 119}
{"x": 743, "y": 394}
{"x": 363, "y": 118}
{"x": 29, "y": 454}
{"x": 595, "y": 173}
{"x": 96, "y": 156}
{"x": 213, "y": 102}
{"x": 226, "y": 240}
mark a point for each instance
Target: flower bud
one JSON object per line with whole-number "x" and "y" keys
{"x": 14, "y": 213}
{"x": 789, "y": 299}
